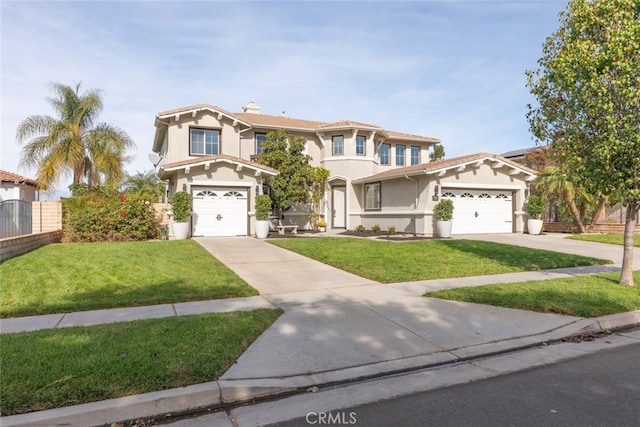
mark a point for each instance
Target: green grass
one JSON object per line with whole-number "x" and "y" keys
{"x": 613, "y": 239}
{"x": 71, "y": 277}
{"x": 584, "y": 296}
{"x": 389, "y": 262}
{"x": 62, "y": 367}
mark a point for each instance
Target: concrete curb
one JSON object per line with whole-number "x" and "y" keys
{"x": 229, "y": 393}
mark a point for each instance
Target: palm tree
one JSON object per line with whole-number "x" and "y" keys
{"x": 71, "y": 142}
{"x": 145, "y": 184}
{"x": 554, "y": 183}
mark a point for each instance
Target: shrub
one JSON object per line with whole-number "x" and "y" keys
{"x": 443, "y": 211}
{"x": 181, "y": 206}
{"x": 535, "y": 206}
{"x": 97, "y": 218}
{"x": 263, "y": 207}
{"x": 376, "y": 228}
{"x": 360, "y": 228}
{"x": 322, "y": 223}
{"x": 391, "y": 230}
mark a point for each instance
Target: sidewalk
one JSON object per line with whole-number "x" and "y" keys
{"x": 337, "y": 327}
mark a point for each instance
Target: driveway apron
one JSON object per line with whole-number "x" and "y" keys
{"x": 335, "y": 320}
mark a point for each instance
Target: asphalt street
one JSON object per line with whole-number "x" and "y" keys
{"x": 601, "y": 389}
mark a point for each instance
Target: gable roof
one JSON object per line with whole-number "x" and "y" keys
{"x": 204, "y": 160}
{"x": 281, "y": 122}
{"x": 14, "y": 178}
{"x": 439, "y": 166}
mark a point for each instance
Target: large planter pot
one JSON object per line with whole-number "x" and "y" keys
{"x": 444, "y": 228}
{"x": 180, "y": 230}
{"x": 534, "y": 226}
{"x": 262, "y": 229}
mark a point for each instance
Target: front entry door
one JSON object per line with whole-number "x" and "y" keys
{"x": 340, "y": 207}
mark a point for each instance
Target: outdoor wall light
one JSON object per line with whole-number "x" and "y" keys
{"x": 184, "y": 187}
{"x": 436, "y": 190}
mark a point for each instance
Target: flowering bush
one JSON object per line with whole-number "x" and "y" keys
{"x": 99, "y": 218}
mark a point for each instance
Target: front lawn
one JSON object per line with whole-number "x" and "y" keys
{"x": 613, "y": 239}
{"x": 62, "y": 367}
{"x": 584, "y": 296}
{"x": 390, "y": 262}
{"x": 70, "y": 277}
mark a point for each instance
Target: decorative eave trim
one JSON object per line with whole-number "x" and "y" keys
{"x": 206, "y": 163}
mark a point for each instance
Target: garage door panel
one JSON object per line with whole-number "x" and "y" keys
{"x": 481, "y": 211}
{"x": 220, "y": 212}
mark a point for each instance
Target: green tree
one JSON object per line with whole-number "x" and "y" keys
{"x": 588, "y": 91}
{"x": 437, "y": 153}
{"x": 296, "y": 177}
{"x": 145, "y": 184}
{"x": 555, "y": 184}
{"x": 73, "y": 141}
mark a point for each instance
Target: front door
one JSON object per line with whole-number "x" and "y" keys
{"x": 339, "y": 207}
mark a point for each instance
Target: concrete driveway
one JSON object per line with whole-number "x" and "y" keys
{"x": 337, "y": 324}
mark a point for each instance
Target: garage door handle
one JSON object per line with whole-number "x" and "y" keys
{"x": 219, "y": 217}
{"x": 476, "y": 214}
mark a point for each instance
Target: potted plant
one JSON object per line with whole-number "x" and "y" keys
{"x": 263, "y": 207}
{"x": 181, "y": 205}
{"x": 535, "y": 209}
{"x": 443, "y": 212}
{"x": 322, "y": 225}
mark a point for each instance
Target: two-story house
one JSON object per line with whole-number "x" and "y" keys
{"x": 377, "y": 176}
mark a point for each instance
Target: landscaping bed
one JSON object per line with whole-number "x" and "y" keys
{"x": 388, "y": 262}
{"x": 69, "y": 277}
{"x": 69, "y": 366}
{"x": 584, "y": 296}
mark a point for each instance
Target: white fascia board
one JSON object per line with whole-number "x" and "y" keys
{"x": 209, "y": 183}
{"x": 205, "y": 162}
{"x": 480, "y": 186}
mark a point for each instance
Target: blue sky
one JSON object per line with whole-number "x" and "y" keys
{"x": 447, "y": 69}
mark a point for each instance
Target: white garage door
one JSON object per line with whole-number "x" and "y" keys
{"x": 219, "y": 211}
{"x": 480, "y": 211}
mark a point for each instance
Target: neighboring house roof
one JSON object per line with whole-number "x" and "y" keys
{"x": 16, "y": 179}
{"x": 441, "y": 166}
{"x": 517, "y": 153}
{"x": 204, "y": 160}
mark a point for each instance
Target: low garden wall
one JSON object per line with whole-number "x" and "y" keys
{"x": 568, "y": 227}
{"x": 14, "y": 246}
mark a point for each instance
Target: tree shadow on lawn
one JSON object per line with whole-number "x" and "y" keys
{"x": 520, "y": 257}
{"x": 121, "y": 296}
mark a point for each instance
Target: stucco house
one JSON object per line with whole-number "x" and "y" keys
{"x": 377, "y": 176}
{"x": 17, "y": 187}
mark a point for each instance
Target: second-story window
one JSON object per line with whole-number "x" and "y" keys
{"x": 384, "y": 154}
{"x": 337, "y": 143}
{"x": 260, "y": 139}
{"x": 360, "y": 145}
{"x": 204, "y": 142}
{"x": 415, "y": 155}
{"x": 400, "y": 149}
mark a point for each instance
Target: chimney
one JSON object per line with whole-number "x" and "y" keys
{"x": 251, "y": 107}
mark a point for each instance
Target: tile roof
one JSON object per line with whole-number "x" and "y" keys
{"x": 205, "y": 159}
{"x": 16, "y": 179}
{"x": 286, "y": 122}
{"x": 437, "y": 165}
{"x": 278, "y": 121}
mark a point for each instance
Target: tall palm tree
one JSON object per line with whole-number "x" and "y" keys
{"x": 73, "y": 141}
{"x": 554, "y": 183}
{"x": 146, "y": 184}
